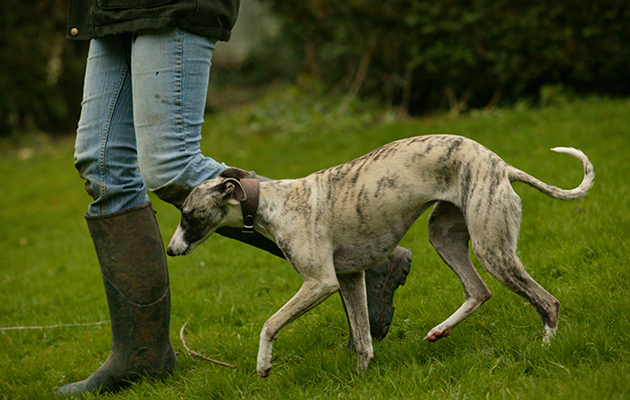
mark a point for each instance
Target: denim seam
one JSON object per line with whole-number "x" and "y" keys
{"x": 105, "y": 136}
{"x": 179, "y": 100}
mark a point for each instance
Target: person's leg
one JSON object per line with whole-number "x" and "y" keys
{"x": 123, "y": 227}
{"x": 170, "y": 74}
{"x": 105, "y": 148}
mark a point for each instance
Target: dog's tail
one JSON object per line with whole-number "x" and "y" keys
{"x": 555, "y": 192}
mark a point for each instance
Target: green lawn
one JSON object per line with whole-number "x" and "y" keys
{"x": 579, "y": 251}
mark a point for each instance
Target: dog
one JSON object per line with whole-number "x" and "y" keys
{"x": 334, "y": 224}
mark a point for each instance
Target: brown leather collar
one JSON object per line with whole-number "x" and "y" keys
{"x": 250, "y": 205}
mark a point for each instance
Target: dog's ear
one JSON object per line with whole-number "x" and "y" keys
{"x": 235, "y": 173}
{"x": 233, "y": 188}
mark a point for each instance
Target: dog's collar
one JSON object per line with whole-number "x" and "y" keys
{"x": 250, "y": 205}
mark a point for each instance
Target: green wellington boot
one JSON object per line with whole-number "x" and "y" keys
{"x": 381, "y": 281}
{"x": 133, "y": 263}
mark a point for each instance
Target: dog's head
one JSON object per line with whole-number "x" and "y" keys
{"x": 211, "y": 205}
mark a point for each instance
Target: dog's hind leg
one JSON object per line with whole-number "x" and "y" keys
{"x": 449, "y": 236}
{"x": 494, "y": 239}
{"x": 314, "y": 290}
{"x": 352, "y": 288}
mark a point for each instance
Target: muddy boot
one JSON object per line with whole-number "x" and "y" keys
{"x": 133, "y": 263}
{"x": 381, "y": 282}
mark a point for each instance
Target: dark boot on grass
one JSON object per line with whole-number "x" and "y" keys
{"x": 381, "y": 282}
{"x": 133, "y": 263}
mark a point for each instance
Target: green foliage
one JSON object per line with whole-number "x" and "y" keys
{"x": 427, "y": 54}
{"x": 40, "y": 71}
{"x": 418, "y": 54}
{"x": 297, "y": 111}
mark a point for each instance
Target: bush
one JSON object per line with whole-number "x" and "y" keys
{"x": 425, "y": 54}
{"x": 417, "y": 54}
{"x": 40, "y": 71}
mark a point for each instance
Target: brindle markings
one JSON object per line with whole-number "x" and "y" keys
{"x": 453, "y": 148}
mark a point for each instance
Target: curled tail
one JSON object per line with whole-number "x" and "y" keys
{"x": 555, "y": 192}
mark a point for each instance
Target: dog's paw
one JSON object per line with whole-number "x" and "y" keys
{"x": 548, "y": 336}
{"x": 363, "y": 360}
{"x": 436, "y": 334}
{"x": 263, "y": 368}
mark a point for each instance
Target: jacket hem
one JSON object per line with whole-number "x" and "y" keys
{"x": 147, "y": 24}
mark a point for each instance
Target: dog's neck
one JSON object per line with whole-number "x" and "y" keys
{"x": 272, "y": 197}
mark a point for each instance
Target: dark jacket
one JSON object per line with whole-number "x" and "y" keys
{"x": 88, "y": 19}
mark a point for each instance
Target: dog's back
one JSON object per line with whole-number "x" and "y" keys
{"x": 373, "y": 200}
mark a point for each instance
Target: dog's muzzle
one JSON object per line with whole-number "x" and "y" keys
{"x": 178, "y": 246}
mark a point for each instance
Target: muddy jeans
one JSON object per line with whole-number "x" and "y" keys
{"x": 143, "y": 105}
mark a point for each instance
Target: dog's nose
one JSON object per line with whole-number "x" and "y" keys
{"x": 170, "y": 251}
{"x": 176, "y": 248}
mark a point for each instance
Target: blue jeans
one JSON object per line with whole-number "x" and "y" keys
{"x": 143, "y": 105}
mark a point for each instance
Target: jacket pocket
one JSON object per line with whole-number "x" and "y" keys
{"x": 130, "y": 4}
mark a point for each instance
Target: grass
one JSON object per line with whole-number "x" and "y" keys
{"x": 579, "y": 251}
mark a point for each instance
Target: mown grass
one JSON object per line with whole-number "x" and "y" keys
{"x": 579, "y": 251}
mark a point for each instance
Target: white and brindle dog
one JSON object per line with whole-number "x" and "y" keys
{"x": 334, "y": 224}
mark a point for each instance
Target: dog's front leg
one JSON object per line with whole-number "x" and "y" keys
{"x": 352, "y": 288}
{"x": 313, "y": 292}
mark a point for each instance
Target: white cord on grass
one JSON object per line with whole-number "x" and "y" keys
{"x": 19, "y": 328}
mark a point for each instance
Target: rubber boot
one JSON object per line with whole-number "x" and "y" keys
{"x": 381, "y": 281}
{"x": 133, "y": 263}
